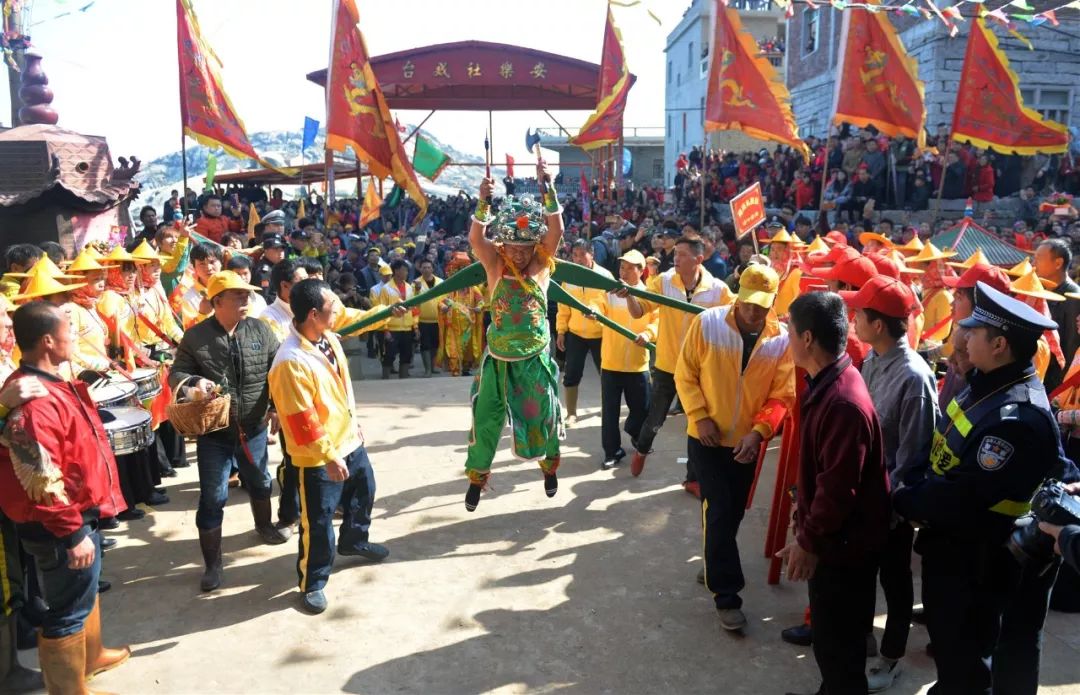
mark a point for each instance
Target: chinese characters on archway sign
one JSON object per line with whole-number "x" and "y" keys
{"x": 502, "y": 69}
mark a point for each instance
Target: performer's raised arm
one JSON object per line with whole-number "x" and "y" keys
{"x": 552, "y": 212}
{"x": 483, "y": 249}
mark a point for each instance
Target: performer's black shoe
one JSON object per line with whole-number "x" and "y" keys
{"x": 107, "y": 543}
{"x": 109, "y": 524}
{"x": 472, "y": 496}
{"x": 551, "y": 484}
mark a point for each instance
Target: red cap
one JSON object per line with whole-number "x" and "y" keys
{"x": 885, "y": 265}
{"x": 852, "y": 271}
{"x": 836, "y": 237}
{"x": 839, "y": 253}
{"x": 980, "y": 272}
{"x": 885, "y": 295}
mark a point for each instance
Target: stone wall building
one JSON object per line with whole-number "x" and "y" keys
{"x": 1049, "y": 75}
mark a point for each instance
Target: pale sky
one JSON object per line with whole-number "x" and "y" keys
{"x": 114, "y": 71}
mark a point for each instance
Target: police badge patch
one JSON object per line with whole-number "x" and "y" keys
{"x": 994, "y": 452}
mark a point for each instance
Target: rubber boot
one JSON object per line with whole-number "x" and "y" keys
{"x": 271, "y": 534}
{"x": 571, "y": 404}
{"x": 210, "y": 542}
{"x": 63, "y": 664}
{"x": 403, "y": 371}
{"x": 425, "y": 357}
{"x": 386, "y": 371}
{"x": 14, "y": 678}
{"x": 100, "y": 658}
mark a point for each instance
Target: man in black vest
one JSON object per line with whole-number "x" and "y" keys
{"x": 994, "y": 446}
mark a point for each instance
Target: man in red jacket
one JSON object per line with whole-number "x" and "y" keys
{"x": 55, "y": 475}
{"x": 842, "y": 514}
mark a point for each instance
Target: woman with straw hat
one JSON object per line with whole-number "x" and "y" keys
{"x": 1030, "y": 290}
{"x": 936, "y": 296}
{"x": 87, "y": 327}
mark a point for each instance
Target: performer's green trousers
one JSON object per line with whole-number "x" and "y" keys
{"x": 526, "y": 391}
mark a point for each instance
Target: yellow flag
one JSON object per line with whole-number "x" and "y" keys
{"x": 253, "y": 219}
{"x": 300, "y": 210}
{"x": 372, "y": 205}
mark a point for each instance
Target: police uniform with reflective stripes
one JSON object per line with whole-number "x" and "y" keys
{"x": 994, "y": 445}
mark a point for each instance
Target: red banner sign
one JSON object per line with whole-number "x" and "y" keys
{"x": 748, "y": 210}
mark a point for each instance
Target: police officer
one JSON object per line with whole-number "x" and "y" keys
{"x": 995, "y": 444}
{"x": 274, "y": 251}
{"x": 274, "y": 222}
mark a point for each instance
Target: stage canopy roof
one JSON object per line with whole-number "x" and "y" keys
{"x": 312, "y": 173}
{"x": 483, "y": 76}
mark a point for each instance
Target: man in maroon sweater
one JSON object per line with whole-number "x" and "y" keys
{"x": 842, "y": 513}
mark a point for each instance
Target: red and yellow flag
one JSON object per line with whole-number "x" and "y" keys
{"x": 878, "y": 82}
{"x": 372, "y": 205}
{"x": 604, "y": 126}
{"x": 357, "y": 114}
{"x": 745, "y": 93}
{"x": 205, "y": 110}
{"x": 989, "y": 110}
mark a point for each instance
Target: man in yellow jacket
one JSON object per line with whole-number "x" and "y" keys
{"x": 624, "y": 365}
{"x": 688, "y": 281}
{"x": 736, "y": 380}
{"x": 576, "y": 334}
{"x": 312, "y": 391}
{"x": 429, "y": 316}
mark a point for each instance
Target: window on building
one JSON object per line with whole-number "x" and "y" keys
{"x": 669, "y": 72}
{"x": 668, "y": 129}
{"x": 1052, "y": 103}
{"x": 810, "y": 31}
{"x": 703, "y": 111}
{"x": 690, "y": 55}
{"x": 658, "y": 169}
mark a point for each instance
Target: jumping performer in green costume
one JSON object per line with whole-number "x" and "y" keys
{"x": 517, "y": 378}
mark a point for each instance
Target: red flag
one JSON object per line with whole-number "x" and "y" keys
{"x": 357, "y": 114}
{"x": 509, "y": 166}
{"x": 989, "y": 110}
{"x": 604, "y": 126}
{"x": 205, "y": 110}
{"x": 878, "y": 82}
{"x": 745, "y": 93}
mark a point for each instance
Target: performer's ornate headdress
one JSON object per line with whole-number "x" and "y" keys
{"x": 519, "y": 221}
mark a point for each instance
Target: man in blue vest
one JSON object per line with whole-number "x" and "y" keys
{"x": 994, "y": 446}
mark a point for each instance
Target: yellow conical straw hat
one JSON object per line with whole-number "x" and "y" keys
{"x": 898, "y": 257}
{"x": 85, "y": 263}
{"x": 145, "y": 252}
{"x": 974, "y": 258}
{"x": 44, "y": 285}
{"x": 119, "y": 255}
{"x": 1020, "y": 269}
{"x": 818, "y": 245}
{"x": 912, "y": 247}
{"x": 44, "y": 266}
{"x": 1032, "y": 286}
{"x": 930, "y": 253}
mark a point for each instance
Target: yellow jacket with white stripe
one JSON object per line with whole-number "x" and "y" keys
{"x": 711, "y": 382}
{"x": 429, "y": 311}
{"x": 90, "y": 334}
{"x": 154, "y": 307}
{"x": 572, "y": 320}
{"x": 389, "y": 295}
{"x": 709, "y": 292}
{"x": 617, "y": 354}
{"x": 314, "y": 401}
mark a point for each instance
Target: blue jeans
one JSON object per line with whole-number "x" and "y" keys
{"x": 319, "y": 498}
{"x": 216, "y": 457}
{"x": 70, "y": 594}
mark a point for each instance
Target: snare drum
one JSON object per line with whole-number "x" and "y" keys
{"x": 113, "y": 394}
{"x": 148, "y": 382}
{"x": 128, "y": 429}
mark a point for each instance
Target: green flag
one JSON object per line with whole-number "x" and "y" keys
{"x": 394, "y": 198}
{"x": 428, "y": 160}
{"x": 211, "y": 170}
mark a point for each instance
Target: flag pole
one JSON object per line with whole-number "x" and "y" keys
{"x": 941, "y": 184}
{"x": 183, "y": 169}
{"x": 701, "y": 197}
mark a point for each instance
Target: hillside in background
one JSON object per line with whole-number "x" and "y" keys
{"x": 165, "y": 173}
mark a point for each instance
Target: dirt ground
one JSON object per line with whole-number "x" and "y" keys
{"x": 592, "y": 591}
